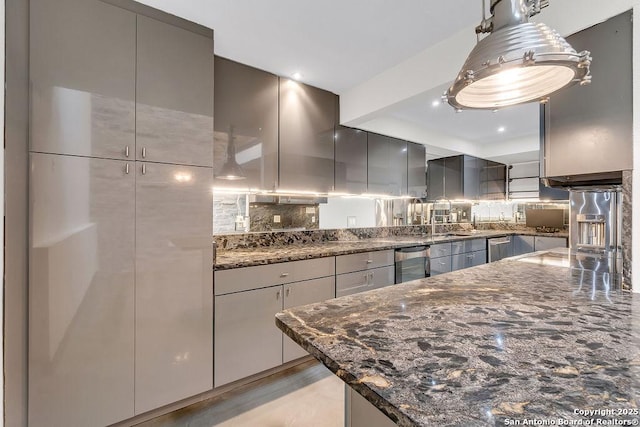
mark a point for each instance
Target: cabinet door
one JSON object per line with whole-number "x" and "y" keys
{"x": 174, "y": 290}
{"x": 453, "y": 177}
{"x": 478, "y": 258}
{"x": 417, "y": 172}
{"x": 174, "y": 90}
{"x": 381, "y": 277}
{"x": 82, "y": 72}
{"x": 307, "y": 122}
{"x": 352, "y": 283}
{"x": 522, "y": 245}
{"x": 590, "y": 129}
{"x": 351, "y": 161}
{"x": 471, "y": 177}
{"x": 435, "y": 179}
{"x": 364, "y": 261}
{"x": 301, "y": 293}
{"x": 81, "y": 291}
{"x": 440, "y": 265}
{"x": 247, "y": 340}
{"x": 458, "y": 261}
{"x": 543, "y": 243}
{"x": 387, "y": 165}
{"x": 246, "y": 106}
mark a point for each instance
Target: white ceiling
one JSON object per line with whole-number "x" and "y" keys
{"x": 339, "y": 44}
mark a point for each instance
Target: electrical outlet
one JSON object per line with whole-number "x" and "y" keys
{"x": 276, "y": 219}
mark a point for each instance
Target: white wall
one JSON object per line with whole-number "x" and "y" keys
{"x": 334, "y": 213}
{"x": 2, "y": 202}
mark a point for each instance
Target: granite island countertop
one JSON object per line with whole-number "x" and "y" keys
{"x": 260, "y": 255}
{"x": 510, "y": 340}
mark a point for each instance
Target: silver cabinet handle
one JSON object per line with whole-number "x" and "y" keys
{"x": 144, "y": 152}
{"x": 288, "y": 291}
{"x": 126, "y": 168}
{"x": 144, "y": 169}
{"x": 284, "y": 275}
{"x": 277, "y": 295}
{"x": 126, "y": 151}
{"x": 369, "y": 261}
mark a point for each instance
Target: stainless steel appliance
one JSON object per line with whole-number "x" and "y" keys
{"x": 412, "y": 263}
{"x": 595, "y": 223}
{"x": 499, "y": 248}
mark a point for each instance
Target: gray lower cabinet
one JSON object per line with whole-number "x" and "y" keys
{"x": 302, "y": 293}
{"x": 364, "y": 271}
{"x": 82, "y": 74}
{"x": 350, "y": 160}
{"x": 361, "y": 281}
{"x": 174, "y": 94}
{"x": 246, "y": 339}
{"x": 174, "y": 305}
{"x": 246, "y": 106}
{"x": 81, "y": 291}
{"x": 468, "y": 253}
{"x": 307, "y": 117}
{"x": 543, "y": 243}
{"x": 522, "y": 244}
{"x": 359, "y": 412}
{"x": 440, "y": 258}
{"x": 387, "y": 165}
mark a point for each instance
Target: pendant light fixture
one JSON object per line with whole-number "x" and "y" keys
{"x": 231, "y": 170}
{"x": 518, "y": 62}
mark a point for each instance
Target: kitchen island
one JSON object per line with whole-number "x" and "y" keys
{"x": 539, "y": 338}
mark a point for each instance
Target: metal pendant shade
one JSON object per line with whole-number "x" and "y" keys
{"x": 231, "y": 170}
{"x": 518, "y": 62}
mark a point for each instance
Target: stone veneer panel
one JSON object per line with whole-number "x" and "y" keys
{"x": 627, "y": 236}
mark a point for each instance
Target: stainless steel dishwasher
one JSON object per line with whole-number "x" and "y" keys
{"x": 412, "y": 263}
{"x": 499, "y": 248}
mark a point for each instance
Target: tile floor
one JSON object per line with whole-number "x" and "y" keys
{"x": 307, "y": 395}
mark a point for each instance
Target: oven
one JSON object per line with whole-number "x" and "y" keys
{"x": 412, "y": 263}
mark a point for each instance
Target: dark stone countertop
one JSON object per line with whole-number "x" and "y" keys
{"x": 510, "y": 340}
{"x": 261, "y": 255}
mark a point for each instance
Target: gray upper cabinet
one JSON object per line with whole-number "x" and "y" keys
{"x": 174, "y": 94}
{"x": 435, "y": 179}
{"x": 465, "y": 177}
{"x": 417, "y": 170}
{"x": 588, "y": 130}
{"x": 82, "y": 72}
{"x": 307, "y": 124}
{"x": 493, "y": 180}
{"x": 246, "y": 107}
{"x": 81, "y": 291}
{"x": 351, "y": 160}
{"x": 387, "y": 165}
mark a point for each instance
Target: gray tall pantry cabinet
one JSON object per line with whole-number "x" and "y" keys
{"x": 120, "y": 284}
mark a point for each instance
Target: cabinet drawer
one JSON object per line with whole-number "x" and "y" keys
{"x": 468, "y": 246}
{"x": 243, "y": 279}
{"x": 363, "y": 261}
{"x": 440, "y": 250}
{"x": 440, "y": 265}
{"x": 361, "y": 281}
{"x": 543, "y": 243}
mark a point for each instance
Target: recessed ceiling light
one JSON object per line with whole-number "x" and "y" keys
{"x": 501, "y": 129}
{"x": 296, "y": 75}
{"x": 436, "y": 103}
